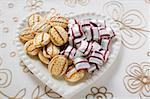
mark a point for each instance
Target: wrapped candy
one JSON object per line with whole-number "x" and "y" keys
{"x": 75, "y": 31}
{"x": 69, "y": 52}
{"x": 105, "y": 43}
{"x": 75, "y": 42}
{"x": 96, "y": 58}
{"x": 105, "y": 54}
{"x": 72, "y": 21}
{"x": 85, "y": 48}
{"x": 106, "y": 33}
{"x": 96, "y": 46}
{"x": 92, "y": 33}
{"x": 81, "y": 63}
{"x": 92, "y": 68}
{"x": 89, "y": 44}
{"x": 92, "y": 27}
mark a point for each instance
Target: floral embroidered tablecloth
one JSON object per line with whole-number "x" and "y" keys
{"x": 128, "y": 78}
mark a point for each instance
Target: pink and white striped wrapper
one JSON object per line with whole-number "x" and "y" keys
{"x": 92, "y": 68}
{"x": 96, "y": 58}
{"x": 92, "y": 27}
{"x": 81, "y": 63}
{"x": 69, "y": 52}
{"x": 105, "y": 43}
{"x": 96, "y": 46}
{"x": 105, "y": 54}
{"x": 85, "y": 48}
{"x": 106, "y": 33}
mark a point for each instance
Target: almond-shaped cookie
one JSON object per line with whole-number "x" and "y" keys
{"x": 41, "y": 39}
{"x": 26, "y": 34}
{"x": 73, "y": 76}
{"x": 50, "y": 50}
{"x": 59, "y": 21}
{"x": 58, "y": 65}
{"x": 58, "y": 35}
{"x": 42, "y": 58}
{"x": 30, "y": 48}
{"x": 33, "y": 19}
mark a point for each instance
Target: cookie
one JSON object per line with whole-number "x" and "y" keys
{"x": 26, "y": 34}
{"x": 72, "y": 75}
{"x": 59, "y": 21}
{"x": 41, "y": 39}
{"x": 58, "y": 35}
{"x": 58, "y": 65}
{"x": 30, "y": 48}
{"x": 43, "y": 58}
{"x": 42, "y": 26}
{"x": 50, "y": 50}
{"x": 33, "y": 19}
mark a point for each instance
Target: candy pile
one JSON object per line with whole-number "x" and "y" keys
{"x": 70, "y": 48}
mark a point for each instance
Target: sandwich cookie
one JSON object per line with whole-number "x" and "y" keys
{"x": 59, "y": 21}
{"x": 50, "y": 50}
{"x": 41, "y": 39}
{"x": 42, "y": 26}
{"x": 26, "y": 34}
{"x": 30, "y": 48}
{"x": 42, "y": 58}
{"x": 58, "y": 35}
{"x": 58, "y": 65}
{"x": 33, "y": 19}
{"x": 72, "y": 75}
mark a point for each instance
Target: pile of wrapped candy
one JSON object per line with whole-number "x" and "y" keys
{"x": 89, "y": 43}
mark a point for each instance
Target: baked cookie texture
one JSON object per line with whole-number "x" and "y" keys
{"x": 50, "y": 50}
{"x": 33, "y": 19}
{"x": 42, "y": 58}
{"x": 58, "y": 35}
{"x": 58, "y": 65}
{"x": 72, "y": 75}
{"x": 41, "y": 39}
{"x": 30, "y": 49}
{"x": 59, "y": 21}
{"x": 26, "y": 34}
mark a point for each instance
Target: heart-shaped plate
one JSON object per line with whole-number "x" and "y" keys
{"x": 60, "y": 86}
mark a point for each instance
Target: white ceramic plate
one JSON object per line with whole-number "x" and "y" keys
{"x": 61, "y": 86}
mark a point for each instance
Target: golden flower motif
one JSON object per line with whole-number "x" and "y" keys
{"x": 73, "y": 3}
{"x": 99, "y": 93}
{"x": 137, "y": 79}
{"x": 19, "y": 95}
{"x": 38, "y": 94}
{"x": 5, "y": 78}
{"x": 131, "y": 23}
{"x": 33, "y": 5}
{"x": 25, "y": 69}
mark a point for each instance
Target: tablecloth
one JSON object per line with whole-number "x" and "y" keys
{"x": 128, "y": 78}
